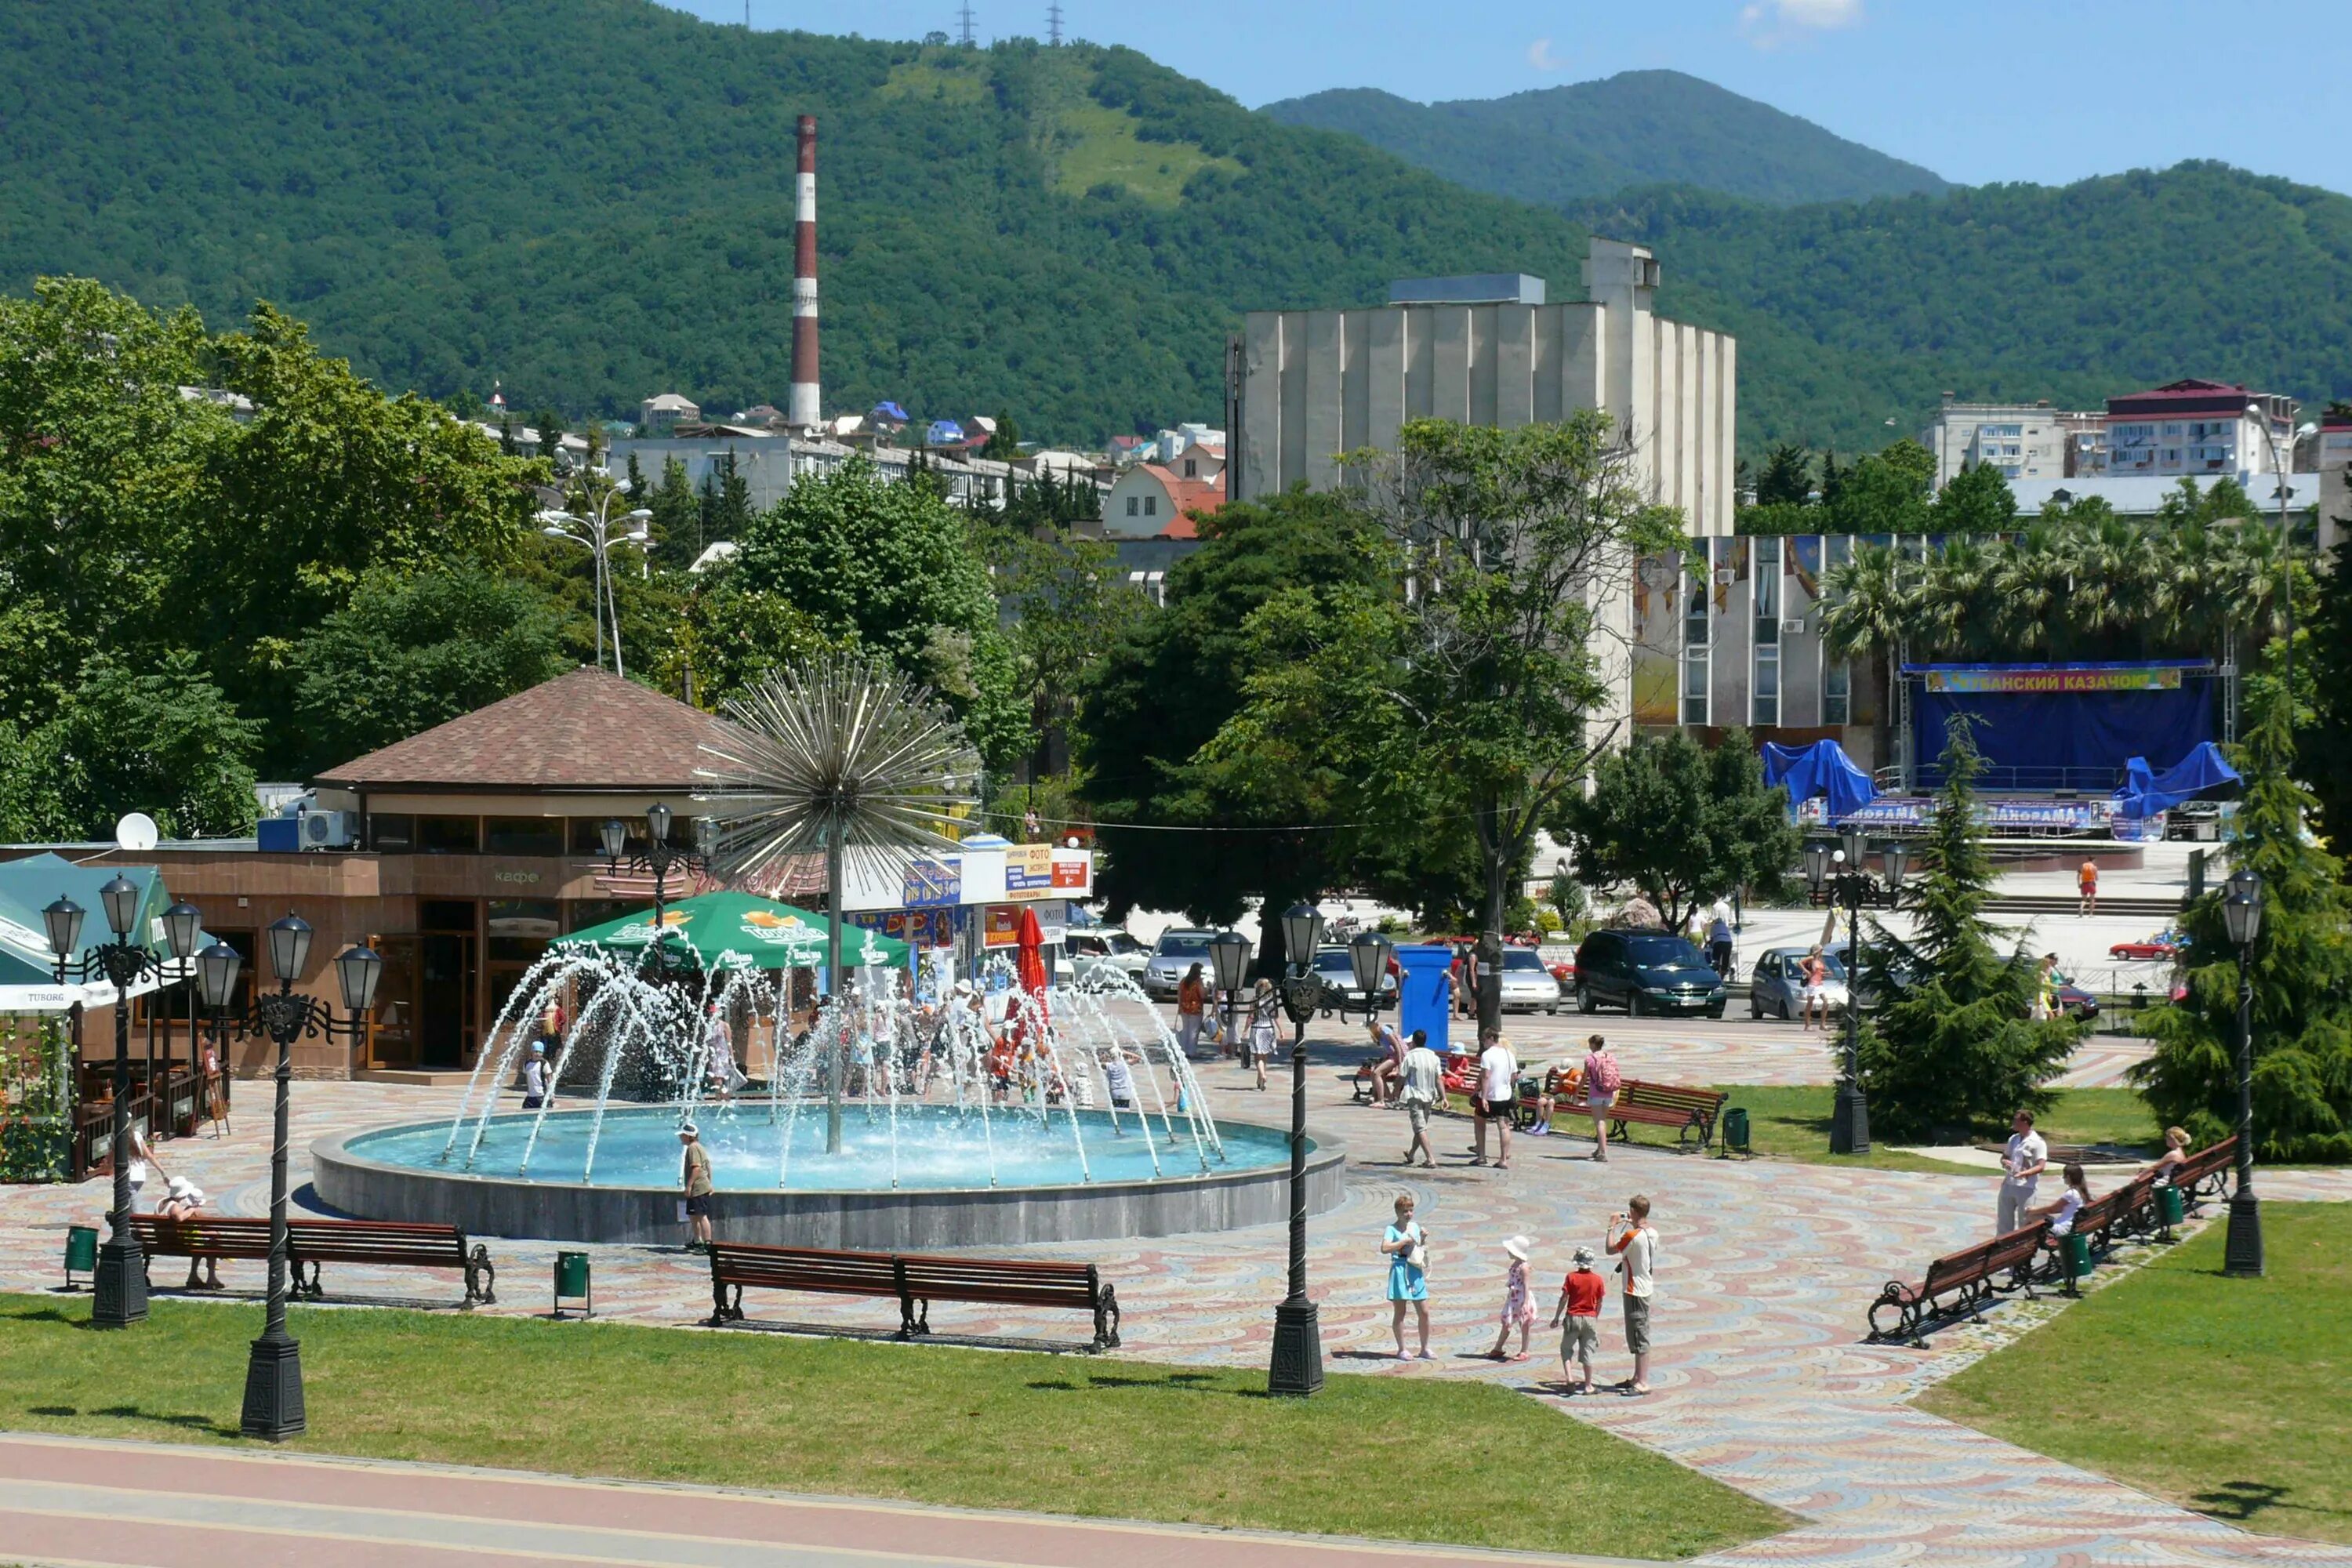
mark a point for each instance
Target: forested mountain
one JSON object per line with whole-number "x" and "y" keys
{"x": 592, "y": 200}
{"x": 1558, "y": 144}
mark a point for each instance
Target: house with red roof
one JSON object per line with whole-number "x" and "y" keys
{"x": 1154, "y": 500}
{"x": 2193, "y": 427}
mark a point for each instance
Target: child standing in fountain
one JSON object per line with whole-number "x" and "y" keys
{"x": 694, "y": 1175}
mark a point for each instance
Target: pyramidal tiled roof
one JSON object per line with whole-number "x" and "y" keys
{"x": 587, "y": 729}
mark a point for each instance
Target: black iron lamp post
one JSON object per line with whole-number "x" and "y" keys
{"x": 119, "y": 1288}
{"x": 661, "y": 857}
{"x": 1843, "y": 871}
{"x": 273, "y": 1374}
{"x": 2241, "y": 912}
{"x": 1229, "y": 953}
{"x": 1297, "y": 1367}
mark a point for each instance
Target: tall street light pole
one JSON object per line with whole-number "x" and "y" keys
{"x": 1298, "y": 1365}
{"x": 119, "y": 1288}
{"x": 2242, "y": 914}
{"x": 596, "y": 535}
{"x": 274, "y": 1405}
{"x": 2280, "y": 474}
{"x": 1843, "y": 873}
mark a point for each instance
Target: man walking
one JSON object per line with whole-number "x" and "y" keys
{"x": 1719, "y": 938}
{"x": 2086, "y": 882}
{"x": 694, "y": 1175}
{"x": 1423, "y": 1092}
{"x": 2020, "y": 1169}
{"x": 1634, "y": 1246}
{"x": 1496, "y": 1099}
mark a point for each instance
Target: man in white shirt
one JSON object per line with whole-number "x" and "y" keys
{"x": 1635, "y": 1245}
{"x": 1424, "y": 1092}
{"x": 1498, "y": 1087}
{"x": 2020, "y": 1168}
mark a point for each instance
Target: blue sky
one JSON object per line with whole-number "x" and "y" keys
{"x": 1978, "y": 90}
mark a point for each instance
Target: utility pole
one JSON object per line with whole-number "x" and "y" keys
{"x": 963, "y": 26}
{"x": 1054, "y": 26}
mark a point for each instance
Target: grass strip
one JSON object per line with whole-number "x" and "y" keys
{"x": 1793, "y": 1123}
{"x": 2224, "y": 1396}
{"x": 1412, "y": 1457}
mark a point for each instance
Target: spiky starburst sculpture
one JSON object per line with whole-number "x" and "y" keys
{"x": 844, "y": 755}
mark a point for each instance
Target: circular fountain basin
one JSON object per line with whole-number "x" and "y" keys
{"x": 942, "y": 1162}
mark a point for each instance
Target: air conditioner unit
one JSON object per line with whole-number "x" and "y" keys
{"x": 1723, "y": 576}
{"x": 328, "y": 830}
{"x": 1794, "y": 626}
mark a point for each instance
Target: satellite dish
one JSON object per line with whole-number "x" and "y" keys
{"x": 135, "y": 833}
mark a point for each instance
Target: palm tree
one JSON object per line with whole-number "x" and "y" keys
{"x": 1956, "y": 600}
{"x": 1868, "y": 611}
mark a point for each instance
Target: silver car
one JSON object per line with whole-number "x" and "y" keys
{"x": 1775, "y": 989}
{"x": 1527, "y": 985}
{"x": 1177, "y": 951}
{"x": 1102, "y": 956}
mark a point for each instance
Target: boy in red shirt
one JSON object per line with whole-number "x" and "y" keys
{"x": 1580, "y": 1299}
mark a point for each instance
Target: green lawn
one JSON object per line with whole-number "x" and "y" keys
{"x": 1057, "y": 1434}
{"x": 2225, "y": 1396}
{"x": 1794, "y": 1124}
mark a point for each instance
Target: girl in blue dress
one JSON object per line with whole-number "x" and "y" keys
{"x": 1406, "y": 1246}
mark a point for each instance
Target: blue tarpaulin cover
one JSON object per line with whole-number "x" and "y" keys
{"x": 889, "y": 411}
{"x": 2144, "y": 792}
{"x": 1823, "y": 769}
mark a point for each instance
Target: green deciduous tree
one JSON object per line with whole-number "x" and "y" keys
{"x": 1786, "y": 478}
{"x": 158, "y": 737}
{"x": 893, "y": 567}
{"x": 2301, "y": 972}
{"x": 1951, "y": 1047}
{"x": 1977, "y": 501}
{"x": 1683, "y": 823}
{"x": 1004, "y": 443}
{"x": 727, "y": 637}
{"x": 408, "y": 653}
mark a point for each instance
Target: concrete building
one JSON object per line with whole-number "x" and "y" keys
{"x": 660, "y": 414}
{"x": 1304, "y": 385}
{"x": 2023, "y": 440}
{"x": 2194, "y": 427}
{"x": 2334, "y": 461}
{"x": 2143, "y": 495}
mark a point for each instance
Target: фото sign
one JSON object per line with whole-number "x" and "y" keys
{"x": 1029, "y": 871}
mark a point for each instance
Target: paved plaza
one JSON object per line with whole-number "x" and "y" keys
{"x": 1765, "y": 1270}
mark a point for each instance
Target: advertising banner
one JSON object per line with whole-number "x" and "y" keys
{"x": 915, "y": 928}
{"x": 1001, "y": 926}
{"x": 2058, "y": 678}
{"x": 932, "y": 884}
{"x": 1029, "y": 871}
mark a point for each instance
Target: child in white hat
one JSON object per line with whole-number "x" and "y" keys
{"x": 1518, "y": 1302}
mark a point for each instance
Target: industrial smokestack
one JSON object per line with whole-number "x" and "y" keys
{"x": 801, "y": 407}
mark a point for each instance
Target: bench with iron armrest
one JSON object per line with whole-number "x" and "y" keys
{"x": 1958, "y": 1282}
{"x": 913, "y": 1281}
{"x": 1361, "y": 1083}
{"x": 2206, "y": 1174}
{"x": 311, "y": 1242}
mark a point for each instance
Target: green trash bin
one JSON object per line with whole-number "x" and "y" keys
{"x": 81, "y": 1252}
{"x": 571, "y": 1281}
{"x": 1735, "y": 1129}
{"x": 2169, "y": 1205}
{"x": 2078, "y": 1255}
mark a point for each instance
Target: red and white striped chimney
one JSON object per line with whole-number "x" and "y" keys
{"x": 801, "y": 407}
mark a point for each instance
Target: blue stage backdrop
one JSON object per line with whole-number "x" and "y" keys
{"x": 2068, "y": 726}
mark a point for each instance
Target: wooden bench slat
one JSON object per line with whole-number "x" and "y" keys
{"x": 914, "y": 1281}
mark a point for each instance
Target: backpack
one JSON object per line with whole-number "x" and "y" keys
{"x": 1604, "y": 1076}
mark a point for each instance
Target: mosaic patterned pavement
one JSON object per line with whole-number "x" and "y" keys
{"x": 1764, "y": 1272}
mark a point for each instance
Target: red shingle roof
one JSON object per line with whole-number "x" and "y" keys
{"x": 1186, "y": 497}
{"x": 585, "y": 730}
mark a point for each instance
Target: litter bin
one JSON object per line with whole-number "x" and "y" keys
{"x": 2169, "y": 1205}
{"x": 2078, "y": 1255}
{"x": 81, "y": 1252}
{"x": 571, "y": 1281}
{"x": 1735, "y": 1129}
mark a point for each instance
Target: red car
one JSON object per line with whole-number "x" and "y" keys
{"x": 2163, "y": 944}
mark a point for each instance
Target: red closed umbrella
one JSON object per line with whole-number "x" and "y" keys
{"x": 1030, "y": 941}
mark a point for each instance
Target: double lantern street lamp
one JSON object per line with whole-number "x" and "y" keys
{"x": 2241, "y": 915}
{"x": 273, "y": 1383}
{"x": 1842, "y": 871}
{"x": 659, "y": 856}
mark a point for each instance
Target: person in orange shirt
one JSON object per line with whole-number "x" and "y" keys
{"x": 1192, "y": 999}
{"x": 2086, "y": 882}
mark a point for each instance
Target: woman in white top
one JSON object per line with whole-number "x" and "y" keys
{"x": 1264, "y": 1026}
{"x": 2070, "y": 1199}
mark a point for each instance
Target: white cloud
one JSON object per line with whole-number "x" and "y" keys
{"x": 1539, "y": 56}
{"x": 1769, "y": 24}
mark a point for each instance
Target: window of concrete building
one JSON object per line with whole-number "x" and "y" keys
{"x": 523, "y": 836}
{"x": 1837, "y": 691}
{"x": 1698, "y": 631}
{"x": 1134, "y": 505}
{"x": 448, "y": 835}
{"x": 392, "y": 832}
{"x": 1152, "y": 506}
{"x": 1764, "y": 704}
{"x": 1191, "y": 469}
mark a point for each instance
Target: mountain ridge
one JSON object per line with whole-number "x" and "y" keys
{"x": 1558, "y": 144}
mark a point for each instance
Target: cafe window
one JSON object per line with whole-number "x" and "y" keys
{"x": 446, "y": 914}
{"x": 393, "y": 831}
{"x": 587, "y": 835}
{"x": 520, "y": 928}
{"x": 524, "y": 836}
{"x": 448, "y": 835}
{"x": 582, "y": 914}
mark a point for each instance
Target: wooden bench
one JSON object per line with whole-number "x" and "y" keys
{"x": 1960, "y": 1281}
{"x": 2098, "y": 1222}
{"x": 913, "y": 1281}
{"x": 1685, "y": 1109}
{"x": 2206, "y": 1174}
{"x": 311, "y": 1242}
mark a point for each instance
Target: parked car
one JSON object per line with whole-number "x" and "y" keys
{"x": 1102, "y": 955}
{"x": 1336, "y": 968}
{"x": 1775, "y": 987}
{"x": 1527, "y": 985}
{"x": 1646, "y": 972}
{"x": 2163, "y": 944}
{"x": 1174, "y": 953}
{"x": 2073, "y": 999}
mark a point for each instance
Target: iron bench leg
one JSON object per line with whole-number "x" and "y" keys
{"x": 481, "y": 1278}
{"x": 1106, "y": 1320}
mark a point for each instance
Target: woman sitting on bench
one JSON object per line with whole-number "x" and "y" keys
{"x": 2176, "y": 1150}
{"x": 1388, "y": 1066}
{"x": 180, "y": 1205}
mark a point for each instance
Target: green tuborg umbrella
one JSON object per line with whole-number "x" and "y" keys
{"x": 735, "y": 930}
